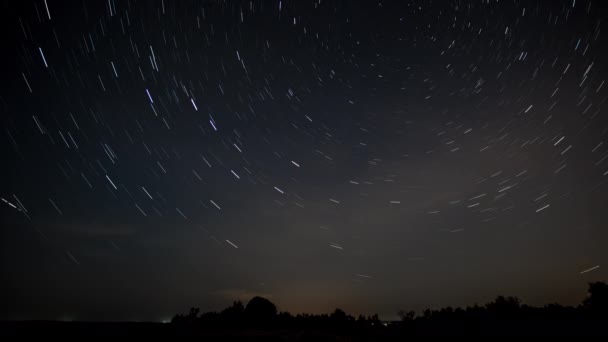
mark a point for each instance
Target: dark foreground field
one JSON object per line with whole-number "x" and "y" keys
{"x": 394, "y": 331}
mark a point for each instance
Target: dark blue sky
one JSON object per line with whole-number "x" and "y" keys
{"x": 372, "y": 156}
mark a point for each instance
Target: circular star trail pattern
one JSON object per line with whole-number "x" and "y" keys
{"x": 374, "y": 156}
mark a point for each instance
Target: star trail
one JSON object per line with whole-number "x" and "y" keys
{"x": 367, "y": 155}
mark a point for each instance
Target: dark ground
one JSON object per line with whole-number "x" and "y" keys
{"x": 259, "y": 320}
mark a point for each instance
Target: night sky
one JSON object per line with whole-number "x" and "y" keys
{"x": 368, "y": 155}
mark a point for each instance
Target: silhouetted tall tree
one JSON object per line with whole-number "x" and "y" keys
{"x": 597, "y": 299}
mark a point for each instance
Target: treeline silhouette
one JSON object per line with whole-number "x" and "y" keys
{"x": 503, "y": 316}
{"x": 260, "y": 320}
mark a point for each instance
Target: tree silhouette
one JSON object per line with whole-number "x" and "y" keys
{"x": 338, "y": 316}
{"x": 596, "y": 302}
{"x": 260, "y": 310}
{"x": 503, "y": 316}
{"x": 233, "y": 313}
{"x": 504, "y": 306}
